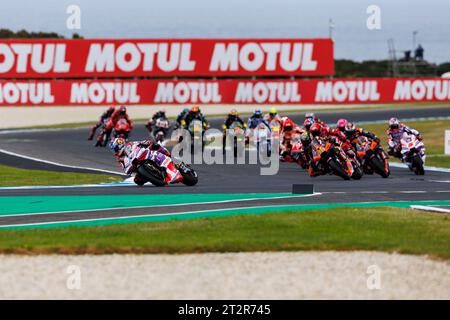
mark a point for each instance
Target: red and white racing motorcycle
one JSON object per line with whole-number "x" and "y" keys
{"x": 413, "y": 153}
{"x": 157, "y": 168}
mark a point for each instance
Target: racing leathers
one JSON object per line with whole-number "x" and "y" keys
{"x": 152, "y": 121}
{"x": 103, "y": 118}
{"x": 192, "y": 115}
{"x": 287, "y": 135}
{"x": 117, "y": 115}
{"x": 394, "y": 137}
{"x": 227, "y": 123}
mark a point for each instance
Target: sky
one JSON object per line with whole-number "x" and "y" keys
{"x": 246, "y": 19}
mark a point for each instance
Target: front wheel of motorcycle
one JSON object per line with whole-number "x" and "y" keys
{"x": 338, "y": 170}
{"x": 357, "y": 172}
{"x": 378, "y": 167}
{"x": 417, "y": 165}
{"x": 190, "y": 177}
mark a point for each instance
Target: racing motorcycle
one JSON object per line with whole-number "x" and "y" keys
{"x": 121, "y": 130}
{"x": 413, "y": 153}
{"x": 358, "y": 171}
{"x": 161, "y": 129}
{"x": 153, "y": 169}
{"x": 107, "y": 134}
{"x": 296, "y": 153}
{"x": 262, "y": 135}
{"x": 236, "y": 132}
{"x": 332, "y": 159}
{"x": 196, "y": 129}
{"x": 372, "y": 156}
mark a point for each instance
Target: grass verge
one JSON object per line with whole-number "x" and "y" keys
{"x": 380, "y": 229}
{"x": 433, "y": 136}
{"x": 10, "y": 176}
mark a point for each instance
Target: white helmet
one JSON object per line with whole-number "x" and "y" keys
{"x": 394, "y": 123}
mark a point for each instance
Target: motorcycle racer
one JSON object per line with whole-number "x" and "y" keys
{"x": 160, "y": 114}
{"x": 103, "y": 118}
{"x": 194, "y": 114}
{"x": 272, "y": 115}
{"x": 352, "y": 132}
{"x": 395, "y": 132}
{"x": 233, "y": 116}
{"x": 118, "y": 114}
{"x": 289, "y": 130}
{"x": 129, "y": 154}
{"x": 181, "y": 116}
{"x": 254, "y": 120}
{"x": 312, "y": 116}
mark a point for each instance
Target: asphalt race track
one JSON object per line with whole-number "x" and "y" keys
{"x": 70, "y": 147}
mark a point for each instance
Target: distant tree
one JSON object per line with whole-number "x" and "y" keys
{"x": 23, "y": 34}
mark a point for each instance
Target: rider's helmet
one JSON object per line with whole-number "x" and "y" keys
{"x": 310, "y": 115}
{"x": 350, "y": 128}
{"x": 195, "y": 109}
{"x": 308, "y": 123}
{"x": 257, "y": 113}
{"x": 394, "y": 123}
{"x": 233, "y": 113}
{"x": 122, "y": 110}
{"x": 162, "y": 111}
{"x": 185, "y": 110}
{"x": 315, "y": 129}
{"x": 288, "y": 124}
{"x": 341, "y": 124}
{"x": 273, "y": 112}
{"x": 118, "y": 146}
{"x": 111, "y": 109}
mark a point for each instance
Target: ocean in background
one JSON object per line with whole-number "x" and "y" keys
{"x": 247, "y": 19}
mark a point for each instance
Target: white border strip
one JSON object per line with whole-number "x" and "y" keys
{"x": 434, "y": 209}
{"x": 156, "y": 215}
{"x": 57, "y": 163}
{"x": 404, "y": 166}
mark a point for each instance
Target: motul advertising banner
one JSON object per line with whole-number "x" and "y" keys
{"x": 59, "y": 58}
{"x": 129, "y": 92}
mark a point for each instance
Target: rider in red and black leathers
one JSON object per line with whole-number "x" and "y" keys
{"x": 120, "y": 113}
{"x": 104, "y": 117}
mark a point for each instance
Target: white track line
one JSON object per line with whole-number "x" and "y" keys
{"x": 57, "y": 163}
{"x": 427, "y": 208}
{"x": 155, "y": 206}
{"x": 404, "y": 166}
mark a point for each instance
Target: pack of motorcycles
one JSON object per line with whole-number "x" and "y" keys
{"x": 366, "y": 157}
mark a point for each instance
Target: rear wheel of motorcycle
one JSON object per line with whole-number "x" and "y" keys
{"x": 338, "y": 170}
{"x": 190, "y": 178}
{"x": 151, "y": 173}
{"x": 417, "y": 165}
{"x": 378, "y": 167}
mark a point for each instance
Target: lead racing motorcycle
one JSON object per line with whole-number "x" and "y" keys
{"x": 152, "y": 167}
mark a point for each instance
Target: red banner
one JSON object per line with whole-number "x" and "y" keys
{"x": 317, "y": 91}
{"x": 59, "y": 58}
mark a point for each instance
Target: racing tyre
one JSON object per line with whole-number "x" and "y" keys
{"x": 417, "y": 165}
{"x": 357, "y": 172}
{"x": 190, "y": 177}
{"x": 338, "y": 170}
{"x": 149, "y": 172}
{"x": 378, "y": 167}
